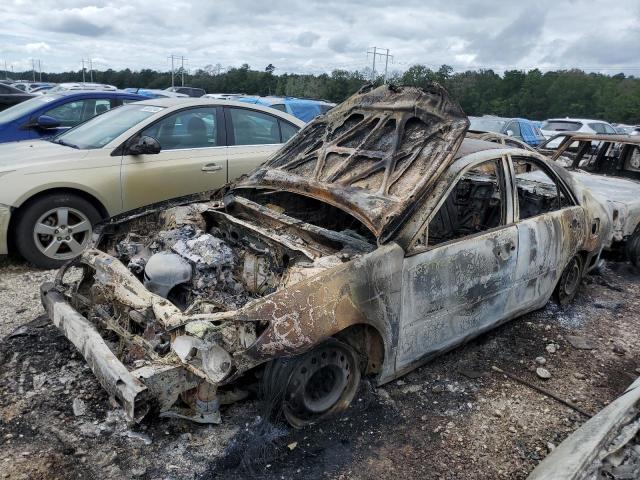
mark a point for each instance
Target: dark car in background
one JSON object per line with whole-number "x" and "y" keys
{"x": 191, "y": 91}
{"x": 520, "y": 128}
{"x": 10, "y": 95}
{"x": 50, "y": 114}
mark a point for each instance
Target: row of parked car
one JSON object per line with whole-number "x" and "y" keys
{"x": 534, "y": 133}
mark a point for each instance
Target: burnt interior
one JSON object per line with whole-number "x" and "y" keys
{"x": 475, "y": 204}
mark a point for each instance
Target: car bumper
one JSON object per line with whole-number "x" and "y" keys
{"x": 153, "y": 386}
{"x": 5, "y": 217}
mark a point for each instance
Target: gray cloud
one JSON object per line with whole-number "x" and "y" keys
{"x": 306, "y": 39}
{"x": 514, "y": 41}
{"x": 316, "y": 36}
{"x": 79, "y": 26}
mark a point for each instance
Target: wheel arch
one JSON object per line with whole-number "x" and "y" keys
{"x": 368, "y": 341}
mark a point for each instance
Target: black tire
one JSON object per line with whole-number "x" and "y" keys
{"x": 632, "y": 248}
{"x": 313, "y": 386}
{"x": 45, "y": 213}
{"x": 569, "y": 282}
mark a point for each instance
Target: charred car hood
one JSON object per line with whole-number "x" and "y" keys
{"x": 374, "y": 155}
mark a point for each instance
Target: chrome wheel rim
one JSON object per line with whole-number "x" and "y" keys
{"x": 62, "y": 233}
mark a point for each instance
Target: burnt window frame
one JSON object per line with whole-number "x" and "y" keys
{"x": 419, "y": 241}
{"x": 555, "y": 178}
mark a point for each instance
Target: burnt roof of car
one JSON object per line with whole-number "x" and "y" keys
{"x": 374, "y": 154}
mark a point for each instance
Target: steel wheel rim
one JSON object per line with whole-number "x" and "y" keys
{"x": 323, "y": 384}
{"x": 62, "y": 233}
{"x": 572, "y": 279}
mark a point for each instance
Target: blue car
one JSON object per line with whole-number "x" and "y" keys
{"x": 302, "y": 108}
{"x": 520, "y": 128}
{"x": 49, "y": 114}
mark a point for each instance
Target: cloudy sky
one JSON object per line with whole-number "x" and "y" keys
{"x": 316, "y": 36}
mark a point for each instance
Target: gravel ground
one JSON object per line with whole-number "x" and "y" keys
{"x": 454, "y": 418}
{"x": 19, "y": 293}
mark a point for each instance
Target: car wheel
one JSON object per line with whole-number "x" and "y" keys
{"x": 632, "y": 248}
{"x": 54, "y": 229}
{"x": 569, "y": 282}
{"x": 315, "y": 385}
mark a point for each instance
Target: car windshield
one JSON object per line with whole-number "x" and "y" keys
{"x": 100, "y": 130}
{"x": 561, "y": 125}
{"x": 26, "y": 107}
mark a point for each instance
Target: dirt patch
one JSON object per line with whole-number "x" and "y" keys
{"x": 454, "y": 418}
{"x": 19, "y": 293}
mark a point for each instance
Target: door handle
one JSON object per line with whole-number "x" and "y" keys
{"x": 211, "y": 167}
{"x": 503, "y": 251}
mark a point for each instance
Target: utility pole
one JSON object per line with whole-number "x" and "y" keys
{"x": 40, "y": 70}
{"x": 374, "y": 51}
{"x": 83, "y": 81}
{"x": 173, "y": 70}
{"x": 91, "y": 69}
{"x": 182, "y": 70}
{"x": 33, "y": 69}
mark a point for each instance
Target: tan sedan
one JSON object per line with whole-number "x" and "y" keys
{"x": 53, "y": 191}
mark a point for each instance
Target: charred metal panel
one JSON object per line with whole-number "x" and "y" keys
{"x": 364, "y": 291}
{"x": 547, "y": 243}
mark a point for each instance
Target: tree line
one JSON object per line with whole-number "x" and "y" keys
{"x": 530, "y": 94}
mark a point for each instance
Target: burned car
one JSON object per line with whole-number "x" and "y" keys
{"x": 374, "y": 240}
{"x": 609, "y": 165}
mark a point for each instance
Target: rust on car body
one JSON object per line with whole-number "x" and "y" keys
{"x": 378, "y": 234}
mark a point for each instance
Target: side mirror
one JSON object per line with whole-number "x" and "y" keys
{"x": 143, "y": 145}
{"x": 45, "y": 121}
{"x": 510, "y": 133}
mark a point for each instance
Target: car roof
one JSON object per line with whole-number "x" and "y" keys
{"x": 474, "y": 145}
{"x": 93, "y": 93}
{"x": 576, "y": 120}
{"x": 195, "y": 102}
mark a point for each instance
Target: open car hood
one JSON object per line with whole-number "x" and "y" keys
{"x": 374, "y": 156}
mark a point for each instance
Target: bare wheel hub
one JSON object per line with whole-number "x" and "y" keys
{"x": 62, "y": 233}
{"x": 323, "y": 382}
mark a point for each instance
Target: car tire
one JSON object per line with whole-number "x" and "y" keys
{"x": 313, "y": 386}
{"x": 632, "y": 248}
{"x": 569, "y": 282}
{"x": 53, "y": 229}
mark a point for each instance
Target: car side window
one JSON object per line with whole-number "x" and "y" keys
{"x": 254, "y": 128}
{"x": 68, "y": 114}
{"x": 608, "y": 129}
{"x": 538, "y": 192}
{"x": 193, "y": 128}
{"x": 476, "y": 203}
{"x": 287, "y": 130}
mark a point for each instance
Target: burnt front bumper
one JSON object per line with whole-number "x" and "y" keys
{"x": 138, "y": 391}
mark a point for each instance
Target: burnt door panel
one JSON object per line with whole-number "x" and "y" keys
{"x": 454, "y": 292}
